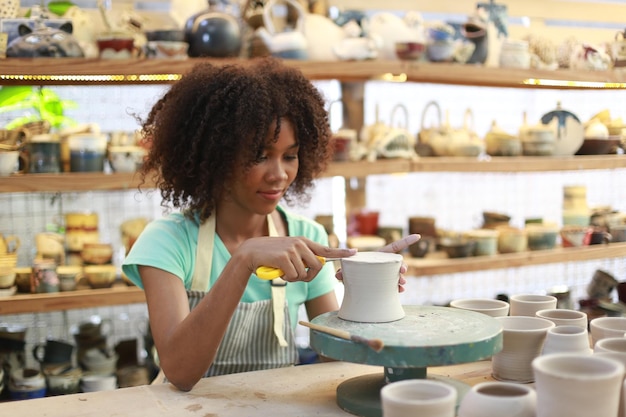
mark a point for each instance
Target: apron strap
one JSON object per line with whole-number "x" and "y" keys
{"x": 202, "y": 273}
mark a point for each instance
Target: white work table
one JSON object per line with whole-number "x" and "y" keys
{"x": 307, "y": 390}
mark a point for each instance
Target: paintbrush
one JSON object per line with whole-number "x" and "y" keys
{"x": 375, "y": 344}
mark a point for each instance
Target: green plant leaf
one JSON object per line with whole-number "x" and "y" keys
{"x": 13, "y": 97}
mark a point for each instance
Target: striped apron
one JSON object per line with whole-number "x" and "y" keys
{"x": 259, "y": 335}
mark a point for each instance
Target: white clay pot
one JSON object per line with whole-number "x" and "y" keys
{"x": 572, "y": 385}
{"x": 371, "y": 287}
{"x": 497, "y": 399}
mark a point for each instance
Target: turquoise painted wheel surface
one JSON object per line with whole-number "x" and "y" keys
{"x": 426, "y": 336}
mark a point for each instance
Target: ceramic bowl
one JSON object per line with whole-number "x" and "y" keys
{"x": 440, "y": 51}
{"x": 597, "y": 146}
{"x": 530, "y": 148}
{"x": 7, "y": 277}
{"x": 92, "y": 383}
{"x": 410, "y": 51}
{"x": 100, "y": 276}
{"x": 97, "y": 253}
{"x": 541, "y": 236}
{"x": 126, "y": 158}
{"x": 22, "y": 279}
{"x": 456, "y": 247}
{"x": 488, "y": 306}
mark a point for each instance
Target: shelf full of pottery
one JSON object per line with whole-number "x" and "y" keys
{"x": 558, "y": 133}
{"x": 67, "y": 267}
{"x": 586, "y": 234}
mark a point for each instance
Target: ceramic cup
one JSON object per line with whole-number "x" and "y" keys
{"x": 570, "y": 385}
{"x": 371, "y": 287}
{"x": 575, "y": 236}
{"x": 618, "y": 232}
{"x": 488, "y": 306}
{"x": 564, "y": 317}
{"x": 573, "y": 339}
{"x": 529, "y": 304}
{"x": 418, "y": 397}
{"x": 523, "y": 339}
{"x": 498, "y": 399}
{"x": 601, "y": 285}
{"x": 53, "y": 352}
{"x": 620, "y": 357}
{"x": 611, "y": 344}
{"x": 603, "y": 327}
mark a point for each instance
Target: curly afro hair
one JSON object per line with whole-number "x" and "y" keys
{"x": 217, "y": 115}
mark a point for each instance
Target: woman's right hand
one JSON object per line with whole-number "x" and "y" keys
{"x": 295, "y": 256}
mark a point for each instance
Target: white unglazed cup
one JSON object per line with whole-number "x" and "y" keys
{"x": 370, "y": 282}
{"x": 571, "y": 385}
{"x": 529, "y": 304}
{"x": 498, "y": 399}
{"x": 523, "y": 339}
{"x": 564, "y": 317}
{"x": 572, "y": 339}
{"x": 603, "y": 327}
{"x": 488, "y": 306}
{"x": 418, "y": 397}
{"x": 611, "y": 344}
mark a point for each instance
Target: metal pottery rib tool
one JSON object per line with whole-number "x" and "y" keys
{"x": 270, "y": 272}
{"x": 375, "y": 344}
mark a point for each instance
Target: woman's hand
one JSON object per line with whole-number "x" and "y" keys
{"x": 295, "y": 256}
{"x": 395, "y": 247}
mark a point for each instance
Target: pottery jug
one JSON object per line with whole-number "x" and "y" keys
{"x": 477, "y": 34}
{"x": 371, "y": 287}
{"x": 287, "y": 44}
{"x": 213, "y": 33}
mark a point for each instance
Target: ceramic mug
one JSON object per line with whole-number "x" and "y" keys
{"x": 571, "y": 384}
{"x": 418, "y": 397}
{"x": 53, "y": 352}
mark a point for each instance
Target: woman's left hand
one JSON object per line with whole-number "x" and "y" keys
{"x": 394, "y": 247}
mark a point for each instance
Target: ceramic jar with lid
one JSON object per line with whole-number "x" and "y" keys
{"x": 44, "y": 154}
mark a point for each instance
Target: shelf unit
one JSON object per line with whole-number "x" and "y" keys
{"x": 95, "y": 72}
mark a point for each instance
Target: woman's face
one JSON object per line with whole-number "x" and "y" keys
{"x": 260, "y": 188}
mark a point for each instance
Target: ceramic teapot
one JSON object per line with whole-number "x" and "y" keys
{"x": 356, "y": 47}
{"x": 391, "y": 29}
{"x": 213, "y": 33}
{"x": 464, "y": 141}
{"x": 431, "y": 140}
{"x": 44, "y": 41}
{"x": 288, "y": 44}
{"x": 393, "y": 142}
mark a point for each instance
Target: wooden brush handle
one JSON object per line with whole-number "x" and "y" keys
{"x": 328, "y": 330}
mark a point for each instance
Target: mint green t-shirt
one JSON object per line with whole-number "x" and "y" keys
{"x": 170, "y": 244}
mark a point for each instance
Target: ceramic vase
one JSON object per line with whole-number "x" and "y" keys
{"x": 371, "y": 287}
{"x": 574, "y": 385}
{"x": 418, "y": 397}
{"x": 523, "y": 339}
{"x": 571, "y": 339}
{"x": 497, "y": 399}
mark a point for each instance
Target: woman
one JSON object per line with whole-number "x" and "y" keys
{"x": 226, "y": 144}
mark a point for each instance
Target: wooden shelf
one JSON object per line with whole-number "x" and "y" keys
{"x": 93, "y": 71}
{"x": 87, "y": 298}
{"x": 90, "y": 181}
{"x": 441, "y": 265}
